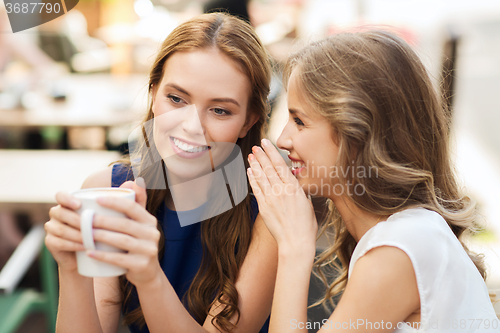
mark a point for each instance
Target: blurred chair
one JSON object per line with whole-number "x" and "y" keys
{"x": 58, "y": 46}
{"x": 234, "y": 7}
{"x": 17, "y": 304}
{"x": 70, "y": 43}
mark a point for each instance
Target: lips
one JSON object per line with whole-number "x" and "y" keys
{"x": 297, "y": 165}
{"x": 188, "y": 149}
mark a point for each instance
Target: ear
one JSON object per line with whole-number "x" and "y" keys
{"x": 251, "y": 120}
{"x": 154, "y": 90}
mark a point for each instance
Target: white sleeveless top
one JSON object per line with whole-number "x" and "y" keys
{"x": 453, "y": 295}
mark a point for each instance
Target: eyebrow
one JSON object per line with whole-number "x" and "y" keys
{"x": 176, "y": 87}
{"x": 220, "y": 100}
{"x": 226, "y": 100}
{"x": 294, "y": 112}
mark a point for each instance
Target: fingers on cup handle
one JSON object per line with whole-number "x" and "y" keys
{"x": 67, "y": 200}
{"x": 65, "y": 216}
{"x": 62, "y": 230}
{"x": 55, "y": 244}
{"x": 141, "y": 196}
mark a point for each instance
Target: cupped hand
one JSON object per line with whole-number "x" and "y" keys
{"x": 137, "y": 234}
{"x": 283, "y": 205}
{"x": 63, "y": 236}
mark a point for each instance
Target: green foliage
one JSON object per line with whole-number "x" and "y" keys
{"x": 485, "y": 236}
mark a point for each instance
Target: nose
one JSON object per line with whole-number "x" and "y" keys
{"x": 285, "y": 139}
{"x": 192, "y": 123}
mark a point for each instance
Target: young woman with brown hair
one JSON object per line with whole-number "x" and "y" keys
{"x": 368, "y": 131}
{"x": 217, "y": 275}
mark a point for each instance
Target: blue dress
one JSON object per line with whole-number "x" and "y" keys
{"x": 183, "y": 249}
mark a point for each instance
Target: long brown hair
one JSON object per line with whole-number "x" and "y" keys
{"x": 226, "y": 237}
{"x": 386, "y": 115}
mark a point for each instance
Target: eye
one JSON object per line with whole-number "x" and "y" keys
{"x": 174, "y": 99}
{"x": 221, "y": 112}
{"x": 298, "y": 121}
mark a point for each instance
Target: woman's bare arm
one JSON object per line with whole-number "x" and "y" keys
{"x": 381, "y": 292}
{"x": 382, "y": 288}
{"x": 83, "y": 301}
{"x": 162, "y": 308}
{"x": 256, "y": 281}
{"x": 164, "y": 311}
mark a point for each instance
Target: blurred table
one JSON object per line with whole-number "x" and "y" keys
{"x": 29, "y": 179}
{"x": 93, "y": 100}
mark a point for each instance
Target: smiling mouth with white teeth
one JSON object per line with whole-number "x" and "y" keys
{"x": 297, "y": 165}
{"x": 187, "y": 147}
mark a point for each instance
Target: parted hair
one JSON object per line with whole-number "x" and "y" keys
{"x": 385, "y": 114}
{"x": 226, "y": 237}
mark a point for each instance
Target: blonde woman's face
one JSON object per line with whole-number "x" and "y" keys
{"x": 308, "y": 138}
{"x": 200, "y": 110}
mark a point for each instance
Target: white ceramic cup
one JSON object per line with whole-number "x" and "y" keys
{"x": 88, "y": 266}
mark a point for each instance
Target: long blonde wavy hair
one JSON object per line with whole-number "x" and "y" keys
{"x": 226, "y": 237}
{"x": 380, "y": 101}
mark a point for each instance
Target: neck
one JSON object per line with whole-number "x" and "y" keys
{"x": 187, "y": 194}
{"x": 357, "y": 220}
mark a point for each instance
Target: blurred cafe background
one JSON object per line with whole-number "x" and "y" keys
{"x": 72, "y": 90}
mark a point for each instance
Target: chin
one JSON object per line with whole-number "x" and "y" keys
{"x": 312, "y": 188}
{"x": 306, "y": 186}
{"x": 186, "y": 171}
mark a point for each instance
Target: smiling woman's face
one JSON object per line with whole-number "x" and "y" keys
{"x": 200, "y": 109}
{"x": 308, "y": 138}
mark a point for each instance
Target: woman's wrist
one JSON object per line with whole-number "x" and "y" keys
{"x": 153, "y": 284}
{"x": 71, "y": 273}
{"x": 300, "y": 254}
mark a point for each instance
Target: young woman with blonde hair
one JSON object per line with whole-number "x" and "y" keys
{"x": 368, "y": 131}
{"x": 213, "y": 276}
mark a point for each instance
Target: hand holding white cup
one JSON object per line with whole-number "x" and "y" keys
{"x": 89, "y": 208}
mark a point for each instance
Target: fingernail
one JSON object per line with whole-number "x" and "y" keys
{"x": 250, "y": 157}
{"x": 140, "y": 182}
{"x": 265, "y": 142}
{"x": 249, "y": 170}
{"x": 75, "y": 203}
{"x": 255, "y": 149}
{"x": 90, "y": 253}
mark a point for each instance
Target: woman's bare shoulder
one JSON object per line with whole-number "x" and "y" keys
{"x": 101, "y": 178}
